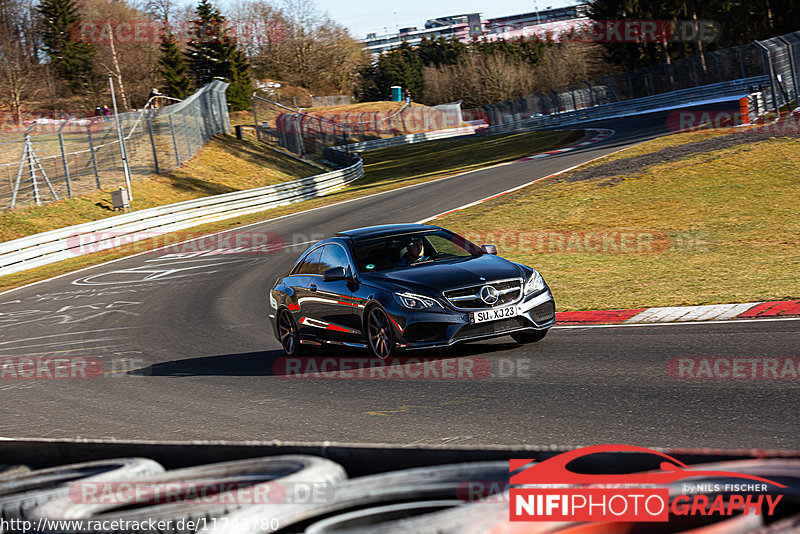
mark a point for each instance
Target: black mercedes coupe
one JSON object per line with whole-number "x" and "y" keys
{"x": 406, "y": 286}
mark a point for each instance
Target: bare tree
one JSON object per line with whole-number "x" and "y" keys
{"x": 130, "y": 56}
{"x": 20, "y": 71}
{"x": 299, "y": 44}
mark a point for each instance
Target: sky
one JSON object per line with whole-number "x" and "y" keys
{"x": 385, "y": 16}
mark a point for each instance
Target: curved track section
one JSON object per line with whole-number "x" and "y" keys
{"x": 195, "y": 330}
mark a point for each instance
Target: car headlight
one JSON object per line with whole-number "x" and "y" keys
{"x": 415, "y": 302}
{"x": 535, "y": 283}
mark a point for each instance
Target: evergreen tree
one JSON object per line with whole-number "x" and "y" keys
{"x": 214, "y": 55}
{"x": 177, "y": 83}
{"x": 70, "y": 55}
{"x": 441, "y": 51}
{"x": 401, "y": 66}
{"x": 240, "y": 89}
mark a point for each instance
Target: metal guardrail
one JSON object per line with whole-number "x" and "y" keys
{"x": 375, "y": 144}
{"x": 694, "y": 95}
{"x": 57, "y": 245}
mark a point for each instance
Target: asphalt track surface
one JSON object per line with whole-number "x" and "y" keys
{"x": 195, "y": 330}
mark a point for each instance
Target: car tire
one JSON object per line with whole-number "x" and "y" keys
{"x": 380, "y": 337}
{"x": 289, "y": 475}
{"x": 288, "y": 334}
{"x": 415, "y": 484}
{"x": 529, "y": 337}
{"x": 21, "y": 493}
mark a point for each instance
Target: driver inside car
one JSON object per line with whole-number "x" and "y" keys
{"x": 415, "y": 252}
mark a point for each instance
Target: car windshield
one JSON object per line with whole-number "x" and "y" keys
{"x": 403, "y": 251}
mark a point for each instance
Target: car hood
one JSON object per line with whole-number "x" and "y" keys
{"x": 433, "y": 278}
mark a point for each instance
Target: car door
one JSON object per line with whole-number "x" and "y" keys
{"x": 332, "y": 311}
{"x": 303, "y": 283}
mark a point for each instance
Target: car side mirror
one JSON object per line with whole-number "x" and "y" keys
{"x": 489, "y": 249}
{"x": 334, "y": 274}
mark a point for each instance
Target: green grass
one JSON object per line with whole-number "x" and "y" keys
{"x": 722, "y": 227}
{"x": 411, "y": 162}
{"x": 383, "y": 171}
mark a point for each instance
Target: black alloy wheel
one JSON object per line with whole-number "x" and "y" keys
{"x": 289, "y": 333}
{"x": 379, "y": 332}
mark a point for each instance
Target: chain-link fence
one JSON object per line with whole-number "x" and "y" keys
{"x": 783, "y": 55}
{"x": 330, "y": 101}
{"x": 53, "y": 159}
{"x": 778, "y": 58}
{"x": 307, "y": 133}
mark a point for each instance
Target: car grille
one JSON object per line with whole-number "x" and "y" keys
{"x": 422, "y": 332}
{"x": 544, "y": 312}
{"x": 468, "y": 298}
{"x": 491, "y": 327}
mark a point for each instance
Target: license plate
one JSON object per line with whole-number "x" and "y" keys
{"x": 493, "y": 314}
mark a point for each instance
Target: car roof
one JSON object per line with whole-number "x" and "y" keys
{"x": 369, "y": 232}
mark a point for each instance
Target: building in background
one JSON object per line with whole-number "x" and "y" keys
{"x": 470, "y": 26}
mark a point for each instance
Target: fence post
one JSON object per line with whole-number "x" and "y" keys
{"x": 719, "y": 69}
{"x": 152, "y": 144}
{"x": 19, "y": 172}
{"x": 64, "y": 160}
{"x": 198, "y": 111}
{"x": 174, "y": 141}
{"x": 255, "y": 116}
{"x": 694, "y": 73}
{"x": 91, "y": 152}
{"x": 793, "y": 68}
{"x": 186, "y": 134}
{"x": 771, "y": 72}
{"x": 630, "y": 85}
{"x": 652, "y": 83}
{"x": 741, "y": 60}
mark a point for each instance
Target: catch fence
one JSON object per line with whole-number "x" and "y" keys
{"x": 308, "y": 133}
{"x": 777, "y": 58}
{"x": 55, "y": 158}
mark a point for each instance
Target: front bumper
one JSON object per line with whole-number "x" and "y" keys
{"x": 443, "y": 327}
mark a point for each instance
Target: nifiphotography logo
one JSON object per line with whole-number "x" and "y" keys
{"x": 550, "y": 491}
